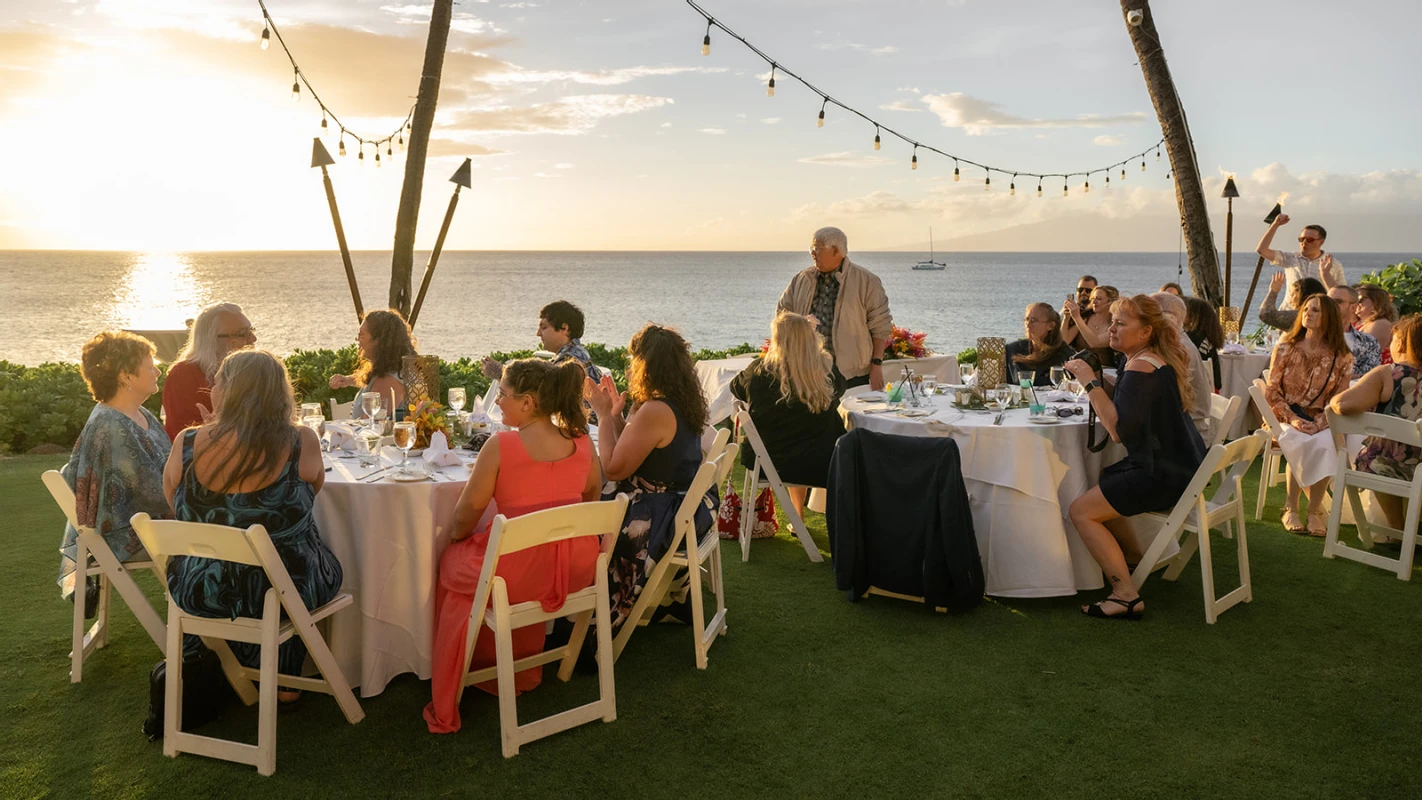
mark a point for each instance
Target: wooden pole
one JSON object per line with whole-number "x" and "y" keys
{"x": 1249, "y": 298}
{"x": 1229, "y": 248}
{"x": 434, "y": 255}
{"x": 341, "y": 240}
{"x": 1189, "y": 191}
{"x": 402, "y": 263}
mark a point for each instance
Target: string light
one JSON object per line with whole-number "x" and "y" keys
{"x": 1086, "y": 186}
{"x": 296, "y": 88}
{"x": 987, "y": 183}
{"x": 1157, "y": 153}
{"x": 266, "y": 37}
{"x": 343, "y": 141}
{"x": 914, "y": 164}
{"x": 1108, "y": 180}
{"x": 1039, "y": 187}
{"x": 324, "y": 127}
{"x": 1012, "y": 187}
{"x": 1064, "y": 187}
{"x": 377, "y": 156}
{"x": 776, "y": 70}
{"x": 361, "y": 157}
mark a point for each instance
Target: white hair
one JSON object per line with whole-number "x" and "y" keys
{"x": 203, "y": 347}
{"x": 1171, "y": 305}
{"x": 832, "y": 237}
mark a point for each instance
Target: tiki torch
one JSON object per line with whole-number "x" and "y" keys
{"x": 1268, "y": 220}
{"x": 321, "y": 158}
{"x": 1230, "y": 192}
{"x": 461, "y": 178}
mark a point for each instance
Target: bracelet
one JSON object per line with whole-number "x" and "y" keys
{"x": 877, "y": 362}
{"x": 1092, "y": 384}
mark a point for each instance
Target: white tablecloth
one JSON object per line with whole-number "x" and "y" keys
{"x": 388, "y": 537}
{"x": 1021, "y": 478}
{"x": 1237, "y": 374}
{"x": 945, "y": 368}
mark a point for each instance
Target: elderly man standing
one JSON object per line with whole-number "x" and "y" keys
{"x": 1309, "y": 262}
{"x": 848, "y": 305}
{"x": 1204, "y": 385}
{"x": 219, "y": 330}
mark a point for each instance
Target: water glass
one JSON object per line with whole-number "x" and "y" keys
{"x": 312, "y": 410}
{"x": 930, "y": 388}
{"x": 368, "y": 447}
{"x": 371, "y": 403}
{"x": 315, "y": 422}
{"x": 457, "y": 398}
{"x": 404, "y": 439}
{"x": 1058, "y": 375}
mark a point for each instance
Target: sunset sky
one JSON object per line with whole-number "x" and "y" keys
{"x": 161, "y": 124}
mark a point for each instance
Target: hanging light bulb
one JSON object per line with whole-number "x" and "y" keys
{"x": 914, "y": 163}
{"x": 377, "y": 156}
{"x": 987, "y": 183}
{"x": 389, "y": 151}
{"x": 956, "y": 176}
{"x": 1086, "y": 186}
{"x": 706, "y": 42}
{"x": 1108, "y": 180}
{"x": 1039, "y": 187}
{"x": 343, "y": 142}
{"x": 295, "y": 89}
{"x": 402, "y": 140}
{"x": 1142, "y": 164}
{"x": 1064, "y": 187}
{"x": 1012, "y": 187}
{"x": 1123, "y": 173}
{"x": 324, "y": 127}
{"x": 876, "y": 137}
{"x": 820, "y": 123}
{"x": 1157, "y": 152}
{"x": 770, "y": 87}
{"x": 1167, "y": 176}
{"x": 408, "y": 126}
{"x": 361, "y": 156}
{"x": 266, "y": 37}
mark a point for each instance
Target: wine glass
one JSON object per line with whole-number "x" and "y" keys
{"x": 994, "y": 399}
{"x": 930, "y": 388}
{"x": 404, "y": 439}
{"x": 311, "y": 410}
{"x": 457, "y": 398}
{"x": 1058, "y": 373}
{"x": 965, "y": 371}
{"x": 314, "y": 422}
{"x": 368, "y": 451}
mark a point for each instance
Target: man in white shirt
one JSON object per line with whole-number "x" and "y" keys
{"x": 1309, "y": 262}
{"x": 1200, "y": 379}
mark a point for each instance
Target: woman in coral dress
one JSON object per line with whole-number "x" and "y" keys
{"x": 542, "y": 464}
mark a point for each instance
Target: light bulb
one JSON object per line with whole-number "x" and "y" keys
{"x": 402, "y": 140}
{"x": 1064, "y": 190}
{"x": 325, "y": 129}
{"x": 389, "y": 151}
{"x": 820, "y": 123}
{"x": 408, "y": 126}
{"x": 706, "y": 45}
{"x": 1157, "y": 154}
{"x": 1167, "y": 176}
{"x": 361, "y": 156}
{"x": 377, "y": 156}
{"x": 1142, "y": 165}
{"x": 295, "y": 91}
{"x": 1039, "y": 190}
{"x": 1086, "y": 187}
{"x": 876, "y": 141}
{"x": 266, "y": 38}
{"x": 1108, "y": 181}
{"x": 987, "y": 183}
{"x": 914, "y": 164}
{"x": 956, "y": 176}
{"x": 1012, "y": 188}
{"x": 343, "y": 145}
{"x": 1123, "y": 173}
{"x": 770, "y": 87}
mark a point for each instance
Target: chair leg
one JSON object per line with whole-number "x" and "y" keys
{"x": 267, "y": 704}
{"x": 1243, "y": 552}
{"x": 1265, "y": 473}
{"x": 1207, "y": 575}
{"x": 748, "y": 484}
{"x": 575, "y": 646}
{"x": 607, "y": 686}
{"x": 81, "y": 588}
{"x": 173, "y": 683}
{"x": 100, "y": 636}
{"x": 331, "y": 672}
{"x": 720, "y": 587}
{"x": 698, "y": 606}
{"x": 1409, "y": 544}
{"x": 504, "y": 658}
{"x": 1187, "y": 551}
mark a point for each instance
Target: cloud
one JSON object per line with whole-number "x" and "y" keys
{"x": 708, "y": 224}
{"x": 450, "y": 147}
{"x": 900, "y": 105}
{"x": 847, "y": 159}
{"x": 863, "y": 48}
{"x": 771, "y": 120}
{"x": 712, "y": 131}
{"x": 1106, "y": 140}
{"x": 567, "y": 115}
{"x": 606, "y": 77}
{"x": 461, "y": 22}
{"x": 977, "y": 117}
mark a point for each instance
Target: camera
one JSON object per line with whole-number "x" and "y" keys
{"x": 1092, "y": 360}
{"x": 1135, "y": 17}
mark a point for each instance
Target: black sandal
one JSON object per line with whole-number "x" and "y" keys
{"x": 1131, "y": 613}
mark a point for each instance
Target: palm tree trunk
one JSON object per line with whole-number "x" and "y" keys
{"x": 1189, "y": 191}
{"x": 402, "y": 265}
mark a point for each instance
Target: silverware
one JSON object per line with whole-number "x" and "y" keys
{"x": 366, "y": 478}
{"x": 998, "y": 420}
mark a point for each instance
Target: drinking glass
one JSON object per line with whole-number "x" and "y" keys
{"x": 315, "y": 422}
{"x": 404, "y": 439}
{"x": 965, "y": 371}
{"x": 930, "y": 388}
{"x": 311, "y": 410}
{"x": 1058, "y": 373}
{"x": 993, "y": 398}
{"x": 368, "y": 447}
{"x": 370, "y": 401}
{"x": 457, "y": 398}
{"x": 1008, "y": 393}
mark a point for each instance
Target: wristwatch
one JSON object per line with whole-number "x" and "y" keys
{"x": 1092, "y": 384}
{"x": 878, "y": 362}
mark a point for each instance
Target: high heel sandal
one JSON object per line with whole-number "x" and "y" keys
{"x": 1321, "y": 529}
{"x": 1132, "y": 612}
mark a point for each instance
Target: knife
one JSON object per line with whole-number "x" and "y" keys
{"x": 998, "y": 421}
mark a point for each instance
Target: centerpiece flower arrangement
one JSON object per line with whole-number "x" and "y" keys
{"x": 904, "y": 343}
{"x": 428, "y": 417}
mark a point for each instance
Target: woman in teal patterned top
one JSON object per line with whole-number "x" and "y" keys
{"x": 116, "y": 468}
{"x": 251, "y": 465}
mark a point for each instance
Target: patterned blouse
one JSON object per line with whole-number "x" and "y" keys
{"x": 116, "y": 471}
{"x": 1366, "y": 351}
{"x": 1297, "y": 381}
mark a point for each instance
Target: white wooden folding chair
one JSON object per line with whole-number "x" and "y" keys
{"x": 1196, "y": 514}
{"x": 590, "y": 604}
{"x": 1224, "y": 411}
{"x": 1349, "y": 481}
{"x": 340, "y": 411}
{"x": 684, "y": 545}
{"x": 760, "y": 475}
{"x": 165, "y": 539}
{"x": 112, "y": 574}
{"x": 1273, "y": 471}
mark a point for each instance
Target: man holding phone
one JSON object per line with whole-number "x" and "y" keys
{"x": 1084, "y": 288}
{"x": 1309, "y": 262}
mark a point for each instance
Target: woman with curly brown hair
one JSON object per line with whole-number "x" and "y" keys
{"x": 652, "y": 456}
{"x": 384, "y": 341}
{"x": 116, "y": 468}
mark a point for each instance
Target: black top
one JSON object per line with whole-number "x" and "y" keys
{"x": 1207, "y": 352}
{"x": 1158, "y": 435}
{"x": 1023, "y": 347}
{"x": 675, "y": 465}
{"x": 798, "y": 440}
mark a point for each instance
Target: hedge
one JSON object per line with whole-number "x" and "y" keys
{"x": 49, "y": 404}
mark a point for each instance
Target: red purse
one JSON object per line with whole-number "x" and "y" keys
{"x": 766, "y": 525}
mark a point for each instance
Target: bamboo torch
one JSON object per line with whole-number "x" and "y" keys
{"x": 320, "y": 157}
{"x": 1230, "y": 192}
{"x": 462, "y": 178}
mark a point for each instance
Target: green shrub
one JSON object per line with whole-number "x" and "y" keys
{"x": 1403, "y": 281}
{"x": 969, "y": 356}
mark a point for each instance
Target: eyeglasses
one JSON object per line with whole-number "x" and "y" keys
{"x": 1069, "y": 411}
{"x": 1030, "y": 320}
{"x": 245, "y": 333}
{"x": 500, "y": 394}
{"x": 1303, "y": 239}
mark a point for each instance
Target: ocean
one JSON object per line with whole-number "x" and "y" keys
{"x": 484, "y": 301}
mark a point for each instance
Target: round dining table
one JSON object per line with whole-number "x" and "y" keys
{"x": 1237, "y": 374}
{"x": 1021, "y": 477}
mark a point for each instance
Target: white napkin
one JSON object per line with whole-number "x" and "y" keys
{"x": 939, "y": 426}
{"x": 1056, "y": 396}
{"x": 1234, "y": 348}
{"x": 343, "y": 436}
{"x": 438, "y": 453}
{"x": 971, "y": 381}
{"x": 478, "y": 416}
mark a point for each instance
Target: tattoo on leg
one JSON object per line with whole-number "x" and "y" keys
{"x": 1115, "y": 579}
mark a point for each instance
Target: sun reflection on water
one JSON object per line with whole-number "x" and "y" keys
{"x": 159, "y": 293}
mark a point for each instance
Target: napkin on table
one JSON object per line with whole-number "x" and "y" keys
{"x": 438, "y": 453}
{"x": 1234, "y": 348}
{"x": 343, "y": 436}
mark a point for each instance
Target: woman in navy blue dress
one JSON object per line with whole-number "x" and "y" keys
{"x": 251, "y": 465}
{"x": 1163, "y": 449}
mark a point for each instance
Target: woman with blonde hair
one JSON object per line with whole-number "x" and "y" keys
{"x": 1311, "y": 363}
{"x": 1376, "y": 314}
{"x": 1082, "y": 332}
{"x": 1163, "y": 449}
{"x": 250, "y": 464}
{"x": 384, "y": 340}
{"x": 792, "y": 392}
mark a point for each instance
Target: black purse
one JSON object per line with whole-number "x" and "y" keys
{"x": 1302, "y": 411}
{"x": 1093, "y": 361}
{"x": 205, "y": 692}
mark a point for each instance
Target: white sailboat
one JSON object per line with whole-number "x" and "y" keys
{"x": 930, "y": 264}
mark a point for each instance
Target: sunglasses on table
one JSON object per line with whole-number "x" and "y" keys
{"x": 1068, "y": 411}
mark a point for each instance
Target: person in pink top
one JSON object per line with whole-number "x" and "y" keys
{"x": 541, "y": 464}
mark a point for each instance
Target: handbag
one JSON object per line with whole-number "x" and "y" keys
{"x": 205, "y": 692}
{"x": 766, "y": 525}
{"x": 728, "y": 517}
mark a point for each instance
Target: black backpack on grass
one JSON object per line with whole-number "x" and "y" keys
{"x": 205, "y": 692}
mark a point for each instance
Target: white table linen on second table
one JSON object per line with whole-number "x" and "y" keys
{"x": 388, "y": 537}
{"x": 1021, "y": 477}
{"x": 1237, "y": 374}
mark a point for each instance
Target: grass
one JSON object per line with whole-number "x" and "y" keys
{"x": 1309, "y": 690}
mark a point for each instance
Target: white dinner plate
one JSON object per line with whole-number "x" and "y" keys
{"x": 870, "y": 397}
{"x": 407, "y": 477}
{"x": 915, "y": 412}
{"x": 1052, "y": 420}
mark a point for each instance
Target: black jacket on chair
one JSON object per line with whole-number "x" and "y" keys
{"x": 899, "y": 520}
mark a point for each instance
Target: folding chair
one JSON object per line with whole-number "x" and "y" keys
{"x": 1196, "y": 514}
{"x": 753, "y": 482}
{"x": 111, "y": 572}
{"x": 340, "y": 411}
{"x": 1224, "y": 411}
{"x": 530, "y": 530}
{"x": 1349, "y": 481}
{"x": 252, "y": 547}
{"x": 1274, "y": 471}
{"x": 684, "y": 544}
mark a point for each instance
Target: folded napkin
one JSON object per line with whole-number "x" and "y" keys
{"x": 971, "y": 381}
{"x": 478, "y": 416}
{"x": 939, "y": 426}
{"x": 343, "y": 436}
{"x": 1234, "y": 348}
{"x": 1057, "y": 396}
{"x": 438, "y": 453}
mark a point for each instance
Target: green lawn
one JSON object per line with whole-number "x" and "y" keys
{"x": 1309, "y": 690}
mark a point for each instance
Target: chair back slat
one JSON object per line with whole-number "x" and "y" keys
{"x": 556, "y": 524}
{"x": 729, "y": 455}
{"x": 1224, "y": 411}
{"x": 718, "y": 444}
{"x": 63, "y": 496}
{"x": 700, "y": 485}
{"x": 1256, "y": 392}
{"x": 164, "y": 539}
{"x": 1383, "y": 426}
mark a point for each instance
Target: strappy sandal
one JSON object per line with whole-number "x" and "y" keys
{"x": 1321, "y": 529}
{"x": 1291, "y": 521}
{"x": 1131, "y": 613}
